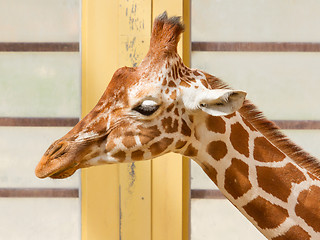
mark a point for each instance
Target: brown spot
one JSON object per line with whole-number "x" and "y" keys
{"x": 210, "y": 171}
{"x": 172, "y": 84}
{"x": 167, "y": 91}
{"x": 170, "y": 107}
{"x": 128, "y": 141}
{"x": 173, "y": 95}
{"x": 146, "y": 134}
{"x": 110, "y": 145}
{"x": 278, "y": 181}
{"x": 294, "y": 233}
{"x": 196, "y": 73}
{"x": 137, "y": 155}
{"x": 196, "y": 87}
{"x": 175, "y": 72}
{"x": 184, "y": 84}
{"x": 217, "y": 149}
{"x": 313, "y": 177}
{"x": 180, "y": 72}
{"x": 264, "y": 151}
{"x": 176, "y": 111}
{"x": 239, "y": 138}
{"x": 164, "y": 82}
{"x": 121, "y": 155}
{"x": 160, "y": 146}
{"x": 190, "y": 118}
{"x": 144, "y": 139}
{"x": 183, "y": 110}
{"x": 169, "y": 74}
{"x": 191, "y": 79}
{"x": 97, "y": 126}
{"x": 230, "y": 115}
{"x": 266, "y": 214}
{"x": 191, "y": 151}
{"x": 237, "y": 178}
{"x": 204, "y": 83}
{"x": 249, "y": 125}
{"x": 308, "y": 207}
{"x": 180, "y": 144}
{"x": 215, "y": 124}
{"x": 169, "y": 125}
{"x": 185, "y": 130}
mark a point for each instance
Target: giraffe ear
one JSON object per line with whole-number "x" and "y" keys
{"x": 216, "y": 102}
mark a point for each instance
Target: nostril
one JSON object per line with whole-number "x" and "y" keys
{"x": 56, "y": 150}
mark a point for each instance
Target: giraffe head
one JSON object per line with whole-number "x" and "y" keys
{"x": 146, "y": 111}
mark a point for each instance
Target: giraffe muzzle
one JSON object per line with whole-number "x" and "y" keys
{"x": 57, "y": 162}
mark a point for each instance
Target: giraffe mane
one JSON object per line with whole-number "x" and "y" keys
{"x": 166, "y": 34}
{"x": 272, "y": 132}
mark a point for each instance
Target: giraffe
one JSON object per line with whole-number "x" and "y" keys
{"x": 163, "y": 106}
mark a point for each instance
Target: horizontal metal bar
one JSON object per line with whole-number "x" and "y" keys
{"x": 38, "y": 122}
{"x": 38, "y": 193}
{"x": 256, "y": 46}
{"x": 39, "y": 47}
{"x": 69, "y": 122}
{"x": 298, "y": 124}
{"x": 206, "y": 194}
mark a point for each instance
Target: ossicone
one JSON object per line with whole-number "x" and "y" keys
{"x": 166, "y": 33}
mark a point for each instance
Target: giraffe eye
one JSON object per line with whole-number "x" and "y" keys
{"x": 147, "y": 107}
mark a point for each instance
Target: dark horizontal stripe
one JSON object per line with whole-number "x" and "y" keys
{"x": 70, "y": 122}
{"x": 298, "y": 124}
{"x": 39, "y": 47}
{"x": 38, "y": 122}
{"x": 256, "y": 46}
{"x": 38, "y": 193}
{"x": 206, "y": 194}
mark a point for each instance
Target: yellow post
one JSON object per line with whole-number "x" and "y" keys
{"x": 100, "y": 187}
{"x": 146, "y": 200}
{"x": 170, "y": 173}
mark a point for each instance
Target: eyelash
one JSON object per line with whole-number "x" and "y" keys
{"x": 146, "y": 110}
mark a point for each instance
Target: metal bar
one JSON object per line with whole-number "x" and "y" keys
{"x": 38, "y": 122}
{"x": 256, "y": 46}
{"x": 206, "y": 194}
{"x": 39, "y": 47}
{"x": 298, "y": 124}
{"x": 69, "y": 122}
{"x": 38, "y": 193}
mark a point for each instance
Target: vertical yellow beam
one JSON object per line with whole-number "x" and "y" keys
{"x": 100, "y": 187}
{"x": 170, "y": 174}
{"x": 145, "y": 200}
{"x": 135, "y": 179}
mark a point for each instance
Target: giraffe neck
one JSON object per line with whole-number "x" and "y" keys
{"x": 281, "y": 198}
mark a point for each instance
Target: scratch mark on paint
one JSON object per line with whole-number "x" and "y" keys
{"x": 132, "y": 174}
{"x": 130, "y": 43}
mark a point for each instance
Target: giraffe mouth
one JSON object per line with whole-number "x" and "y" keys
{"x": 56, "y": 169}
{"x": 64, "y": 173}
